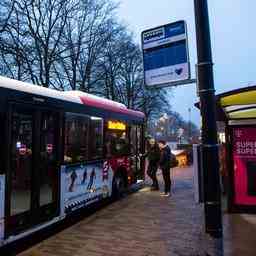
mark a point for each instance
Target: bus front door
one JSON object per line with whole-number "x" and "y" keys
{"x": 32, "y": 168}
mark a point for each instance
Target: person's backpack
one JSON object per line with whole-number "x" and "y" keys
{"x": 173, "y": 161}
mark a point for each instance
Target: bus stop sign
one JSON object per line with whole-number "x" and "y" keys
{"x": 165, "y": 55}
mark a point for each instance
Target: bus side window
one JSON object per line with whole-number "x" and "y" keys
{"x": 139, "y": 139}
{"x": 117, "y": 143}
{"x": 133, "y": 139}
{"x": 2, "y": 142}
{"x": 76, "y": 138}
{"x": 96, "y": 138}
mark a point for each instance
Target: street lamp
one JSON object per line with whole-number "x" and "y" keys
{"x": 164, "y": 122}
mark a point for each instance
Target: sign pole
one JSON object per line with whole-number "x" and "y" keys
{"x": 212, "y": 203}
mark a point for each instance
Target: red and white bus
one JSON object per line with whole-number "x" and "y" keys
{"x": 61, "y": 151}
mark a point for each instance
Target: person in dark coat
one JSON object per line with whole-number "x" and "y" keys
{"x": 153, "y": 155}
{"x": 91, "y": 179}
{"x": 165, "y": 165}
{"x": 73, "y": 178}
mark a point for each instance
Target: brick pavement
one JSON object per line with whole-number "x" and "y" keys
{"x": 145, "y": 224}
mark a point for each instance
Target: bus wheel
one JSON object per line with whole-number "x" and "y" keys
{"x": 119, "y": 186}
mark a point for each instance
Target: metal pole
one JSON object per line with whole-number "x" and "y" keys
{"x": 189, "y": 125}
{"x": 212, "y": 202}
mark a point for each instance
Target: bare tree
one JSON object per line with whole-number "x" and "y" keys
{"x": 109, "y": 66}
{"x": 14, "y": 48}
{"x": 85, "y": 38}
{"x": 78, "y": 45}
{"x": 131, "y": 74}
{"x": 6, "y": 10}
{"x": 44, "y": 23}
{"x": 123, "y": 76}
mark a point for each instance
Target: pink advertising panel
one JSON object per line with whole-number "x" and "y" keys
{"x": 244, "y": 155}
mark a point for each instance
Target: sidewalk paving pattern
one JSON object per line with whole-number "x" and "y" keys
{"x": 145, "y": 224}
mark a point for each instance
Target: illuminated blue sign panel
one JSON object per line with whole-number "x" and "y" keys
{"x": 165, "y": 54}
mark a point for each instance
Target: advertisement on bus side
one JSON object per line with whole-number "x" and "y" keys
{"x": 85, "y": 184}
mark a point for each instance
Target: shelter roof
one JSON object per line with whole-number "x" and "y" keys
{"x": 236, "y": 104}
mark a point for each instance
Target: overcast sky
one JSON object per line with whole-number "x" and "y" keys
{"x": 232, "y": 33}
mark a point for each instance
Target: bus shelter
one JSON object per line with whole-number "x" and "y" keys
{"x": 237, "y": 111}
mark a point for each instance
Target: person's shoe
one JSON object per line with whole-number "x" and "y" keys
{"x": 165, "y": 194}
